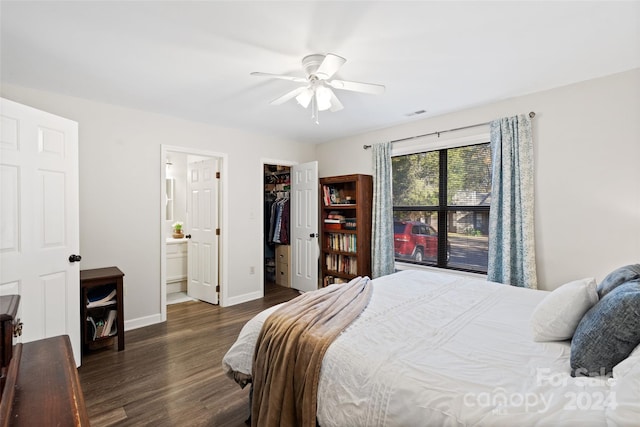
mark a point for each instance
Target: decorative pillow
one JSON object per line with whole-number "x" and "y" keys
{"x": 608, "y": 333}
{"x": 618, "y": 277}
{"x": 556, "y": 317}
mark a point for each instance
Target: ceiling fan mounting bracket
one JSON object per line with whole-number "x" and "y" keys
{"x": 311, "y": 63}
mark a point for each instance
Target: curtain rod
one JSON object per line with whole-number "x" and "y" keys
{"x": 531, "y": 115}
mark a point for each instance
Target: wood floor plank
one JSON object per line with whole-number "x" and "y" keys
{"x": 170, "y": 374}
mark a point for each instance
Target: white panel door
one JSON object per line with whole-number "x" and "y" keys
{"x": 202, "y": 223}
{"x": 304, "y": 226}
{"x": 39, "y": 220}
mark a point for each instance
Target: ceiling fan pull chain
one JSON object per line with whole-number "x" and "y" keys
{"x": 314, "y": 109}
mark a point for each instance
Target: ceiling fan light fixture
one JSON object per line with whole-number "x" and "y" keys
{"x": 304, "y": 98}
{"x": 323, "y": 96}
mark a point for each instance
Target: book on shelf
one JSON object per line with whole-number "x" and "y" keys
{"x": 342, "y": 263}
{"x": 333, "y": 196}
{"x": 94, "y": 327}
{"x": 326, "y": 195}
{"x": 342, "y": 242}
{"x": 100, "y": 298}
{"x": 335, "y": 215}
{"x": 102, "y": 327}
{"x": 110, "y": 327}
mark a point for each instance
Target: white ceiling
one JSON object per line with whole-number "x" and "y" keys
{"x": 192, "y": 59}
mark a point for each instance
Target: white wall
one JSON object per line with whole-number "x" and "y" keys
{"x": 587, "y": 171}
{"x": 587, "y": 146}
{"x": 120, "y": 169}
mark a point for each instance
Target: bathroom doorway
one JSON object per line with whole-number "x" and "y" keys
{"x": 192, "y": 258}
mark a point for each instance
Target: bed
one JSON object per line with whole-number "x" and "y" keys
{"x": 443, "y": 349}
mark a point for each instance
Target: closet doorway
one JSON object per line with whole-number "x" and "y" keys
{"x": 290, "y": 225}
{"x": 276, "y": 179}
{"x": 193, "y": 193}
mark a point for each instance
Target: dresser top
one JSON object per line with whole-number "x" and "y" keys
{"x": 9, "y": 306}
{"x": 100, "y": 273}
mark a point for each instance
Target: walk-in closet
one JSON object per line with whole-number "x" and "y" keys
{"x": 277, "y": 249}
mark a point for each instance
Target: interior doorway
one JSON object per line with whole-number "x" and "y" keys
{"x": 182, "y": 278}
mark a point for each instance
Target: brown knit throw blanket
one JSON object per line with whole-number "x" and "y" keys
{"x": 290, "y": 348}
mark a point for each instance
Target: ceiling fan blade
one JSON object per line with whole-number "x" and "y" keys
{"x": 287, "y": 96}
{"x": 371, "y": 88}
{"x": 330, "y": 65}
{"x": 280, "y": 76}
{"x": 336, "y": 105}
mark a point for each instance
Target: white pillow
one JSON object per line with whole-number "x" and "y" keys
{"x": 556, "y": 317}
{"x": 624, "y": 367}
{"x": 622, "y": 402}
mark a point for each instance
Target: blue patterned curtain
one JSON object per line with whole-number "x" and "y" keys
{"x": 382, "y": 223}
{"x": 511, "y": 238}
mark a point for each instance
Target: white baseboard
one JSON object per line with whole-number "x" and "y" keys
{"x": 142, "y": 322}
{"x": 243, "y": 298}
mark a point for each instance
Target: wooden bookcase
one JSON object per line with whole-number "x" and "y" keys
{"x": 95, "y": 283}
{"x": 345, "y": 244}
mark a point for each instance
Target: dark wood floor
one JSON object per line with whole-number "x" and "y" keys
{"x": 170, "y": 374}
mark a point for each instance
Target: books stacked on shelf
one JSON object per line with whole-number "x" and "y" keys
{"x": 333, "y": 196}
{"x": 101, "y": 297}
{"x": 341, "y": 242}
{"x": 103, "y": 327}
{"x": 330, "y": 280}
{"x": 334, "y": 220}
{"x": 342, "y": 263}
{"x": 350, "y": 224}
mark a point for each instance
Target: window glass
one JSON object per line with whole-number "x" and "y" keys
{"x": 468, "y": 238}
{"x": 416, "y": 179}
{"x": 412, "y": 240}
{"x": 469, "y": 175}
{"x": 459, "y": 239}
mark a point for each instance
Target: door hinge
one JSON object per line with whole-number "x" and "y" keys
{"x": 217, "y": 288}
{"x": 218, "y": 175}
{"x": 217, "y": 231}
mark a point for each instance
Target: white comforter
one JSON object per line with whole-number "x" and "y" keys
{"x": 445, "y": 350}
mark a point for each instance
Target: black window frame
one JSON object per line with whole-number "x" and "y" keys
{"x": 443, "y": 209}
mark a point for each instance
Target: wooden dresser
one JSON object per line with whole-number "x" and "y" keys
{"x": 10, "y": 327}
{"x": 41, "y": 385}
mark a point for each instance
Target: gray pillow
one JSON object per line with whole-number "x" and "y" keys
{"x": 608, "y": 332}
{"x": 618, "y": 277}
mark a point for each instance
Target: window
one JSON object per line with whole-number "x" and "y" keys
{"x": 441, "y": 202}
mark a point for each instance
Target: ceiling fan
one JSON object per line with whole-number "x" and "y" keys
{"x": 317, "y": 91}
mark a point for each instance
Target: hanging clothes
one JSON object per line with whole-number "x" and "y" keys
{"x": 279, "y": 221}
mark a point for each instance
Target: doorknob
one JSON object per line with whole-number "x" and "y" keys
{"x": 74, "y": 258}
{"x": 312, "y": 235}
{"x": 188, "y": 236}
